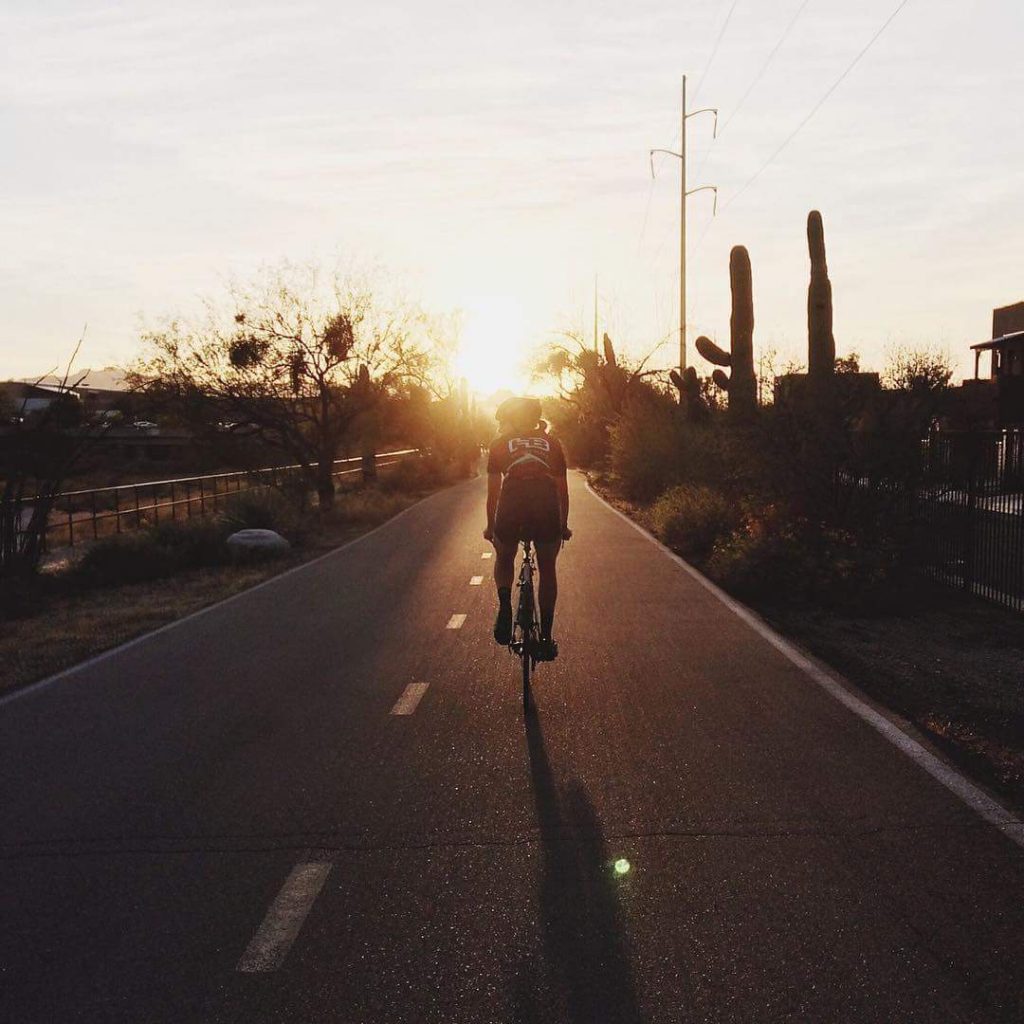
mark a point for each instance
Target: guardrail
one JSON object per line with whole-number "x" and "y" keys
{"x": 103, "y": 511}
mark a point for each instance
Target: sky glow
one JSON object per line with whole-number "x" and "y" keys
{"x": 495, "y": 157}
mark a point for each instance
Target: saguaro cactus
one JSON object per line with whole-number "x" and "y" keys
{"x": 688, "y": 385}
{"x": 612, "y": 377}
{"x": 821, "y": 344}
{"x": 741, "y": 384}
{"x": 363, "y": 389}
{"x": 609, "y": 351}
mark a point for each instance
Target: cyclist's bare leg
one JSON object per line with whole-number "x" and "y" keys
{"x": 547, "y": 591}
{"x": 504, "y": 564}
{"x": 504, "y": 570}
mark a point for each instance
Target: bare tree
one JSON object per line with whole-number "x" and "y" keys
{"x": 597, "y": 384}
{"x": 298, "y": 358}
{"x": 38, "y": 451}
{"x": 919, "y": 371}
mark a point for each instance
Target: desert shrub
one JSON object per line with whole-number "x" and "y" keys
{"x": 152, "y": 554}
{"x": 265, "y": 508}
{"x": 585, "y": 442}
{"x": 367, "y": 505}
{"x": 791, "y": 561}
{"x": 647, "y": 447}
{"x": 754, "y": 564}
{"x": 692, "y": 519}
{"x": 419, "y": 473}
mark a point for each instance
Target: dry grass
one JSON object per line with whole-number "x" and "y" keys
{"x": 76, "y": 628}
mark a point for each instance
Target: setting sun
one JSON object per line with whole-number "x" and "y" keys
{"x": 496, "y": 343}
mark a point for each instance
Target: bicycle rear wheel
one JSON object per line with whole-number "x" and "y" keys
{"x": 527, "y": 667}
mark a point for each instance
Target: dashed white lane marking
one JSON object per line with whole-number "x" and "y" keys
{"x": 487, "y": 554}
{"x": 456, "y": 621}
{"x": 986, "y": 807}
{"x": 475, "y": 581}
{"x": 280, "y": 927}
{"x": 411, "y": 696}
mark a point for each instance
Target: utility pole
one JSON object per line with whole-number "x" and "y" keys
{"x": 682, "y": 227}
{"x": 683, "y": 193}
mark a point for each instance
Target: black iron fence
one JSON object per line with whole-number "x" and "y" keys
{"x": 90, "y": 514}
{"x": 970, "y": 506}
{"x": 962, "y": 511}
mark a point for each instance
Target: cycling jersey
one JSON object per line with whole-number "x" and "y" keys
{"x": 524, "y": 455}
{"x": 528, "y": 507}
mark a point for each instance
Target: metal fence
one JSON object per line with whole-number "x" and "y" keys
{"x": 102, "y": 511}
{"x": 963, "y": 511}
{"x": 969, "y": 511}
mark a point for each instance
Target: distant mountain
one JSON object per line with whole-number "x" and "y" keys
{"x": 110, "y": 378}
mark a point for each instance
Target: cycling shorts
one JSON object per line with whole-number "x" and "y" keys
{"x": 528, "y": 509}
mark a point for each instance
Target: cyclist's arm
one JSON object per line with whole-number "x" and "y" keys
{"x": 561, "y": 482}
{"x": 493, "y": 491}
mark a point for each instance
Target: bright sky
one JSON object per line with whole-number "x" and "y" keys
{"x": 495, "y": 155}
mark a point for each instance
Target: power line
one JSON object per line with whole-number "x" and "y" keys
{"x": 757, "y": 78}
{"x": 814, "y": 110}
{"x": 767, "y": 64}
{"x": 714, "y": 51}
{"x": 647, "y": 214}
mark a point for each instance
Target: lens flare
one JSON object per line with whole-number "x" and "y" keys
{"x": 622, "y": 866}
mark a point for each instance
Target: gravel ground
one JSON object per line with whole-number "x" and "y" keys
{"x": 953, "y": 665}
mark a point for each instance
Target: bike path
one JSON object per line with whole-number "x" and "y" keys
{"x": 786, "y": 861}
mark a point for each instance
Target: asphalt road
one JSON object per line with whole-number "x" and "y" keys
{"x": 226, "y": 823}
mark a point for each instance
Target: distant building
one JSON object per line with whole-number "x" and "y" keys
{"x": 1006, "y": 347}
{"x": 26, "y": 399}
{"x": 853, "y": 390}
{"x": 1002, "y": 390}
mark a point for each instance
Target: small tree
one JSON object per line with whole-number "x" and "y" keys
{"x": 920, "y": 378}
{"x": 593, "y": 388}
{"x": 38, "y": 451}
{"x": 296, "y": 358}
{"x": 918, "y": 371}
{"x": 848, "y": 363}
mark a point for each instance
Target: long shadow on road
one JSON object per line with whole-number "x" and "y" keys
{"x": 586, "y": 963}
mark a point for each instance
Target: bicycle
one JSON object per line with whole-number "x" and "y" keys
{"x": 526, "y": 628}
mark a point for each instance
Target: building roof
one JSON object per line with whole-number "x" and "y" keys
{"x": 997, "y": 342}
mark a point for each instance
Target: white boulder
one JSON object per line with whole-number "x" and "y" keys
{"x": 264, "y": 542}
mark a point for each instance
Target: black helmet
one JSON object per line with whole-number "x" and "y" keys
{"x": 518, "y": 411}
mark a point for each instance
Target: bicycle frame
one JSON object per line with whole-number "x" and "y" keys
{"x": 526, "y": 628}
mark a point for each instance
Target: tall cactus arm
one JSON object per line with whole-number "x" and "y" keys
{"x": 712, "y": 353}
{"x": 721, "y": 378}
{"x": 609, "y": 351}
{"x": 821, "y": 343}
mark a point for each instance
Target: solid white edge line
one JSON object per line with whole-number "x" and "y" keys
{"x": 411, "y": 696}
{"x": 39, "y": 684}
{"x": 284, "y": 919}
{"x": 994, "y": 812}
{"x": 456, "y": 621}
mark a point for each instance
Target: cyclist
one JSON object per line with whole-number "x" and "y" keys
{"x": 527, "y": 499}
